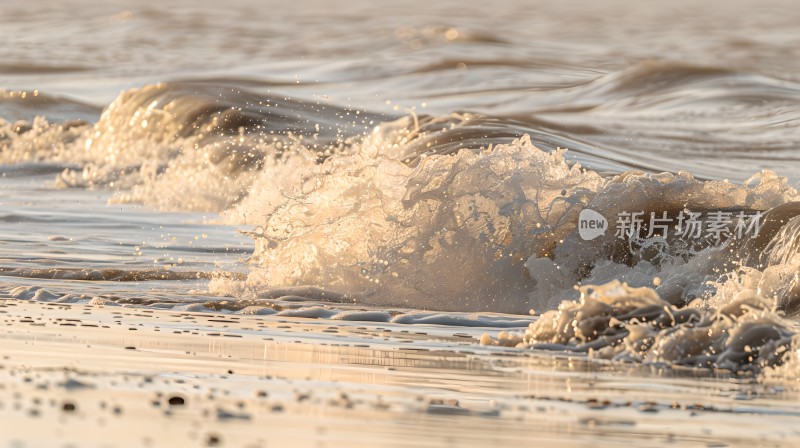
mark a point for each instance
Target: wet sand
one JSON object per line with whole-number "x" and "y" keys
{"x": 92, "y": 375}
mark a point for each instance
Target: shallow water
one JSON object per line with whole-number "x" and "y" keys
{"x": 309, "y": 382}
{"x": 401, "y": 164}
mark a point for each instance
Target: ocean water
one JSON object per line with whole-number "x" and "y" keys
{"x": 417, "y": 163}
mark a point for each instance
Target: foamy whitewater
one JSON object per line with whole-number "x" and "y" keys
{"x": 439, "y": 165}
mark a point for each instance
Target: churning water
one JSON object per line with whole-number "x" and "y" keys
{"x": 369, "y": 161}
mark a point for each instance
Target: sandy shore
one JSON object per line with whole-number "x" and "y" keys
{"x": 80, "y": 375}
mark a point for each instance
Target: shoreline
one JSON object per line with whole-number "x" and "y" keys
{"x": 94, "y": 375}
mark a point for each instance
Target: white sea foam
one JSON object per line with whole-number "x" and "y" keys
{"x": 619, "y": 322}
{"x": 425, "y": 213}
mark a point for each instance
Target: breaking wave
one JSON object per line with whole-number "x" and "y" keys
{"x": 470, "y": 212}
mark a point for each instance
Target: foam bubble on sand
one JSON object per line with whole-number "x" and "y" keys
{"x": 622, "y": 323}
